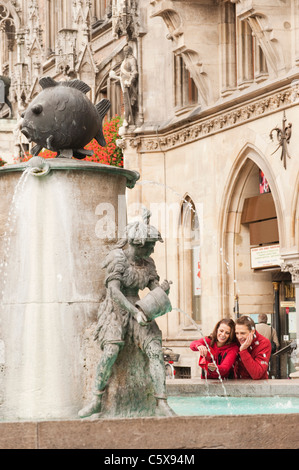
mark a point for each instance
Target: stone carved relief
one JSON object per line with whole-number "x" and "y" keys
{"x": 226, "y": 120}
{"x": 125, "y": 19}
{"x": 82, "y": 21}
{"x": 5, "y": 16}
{"x": 292, "y": 268}
{"x": 34, "y": 24}
{"x": 15, "y": 39}
{"x": 7, "y": 36}
{"x": 72, "y": 43}
{"x": 26, "y": 47}
{"x": 66, "y": 51}
{"x": 86, "y": 59}
{"x": 173, "y": 23}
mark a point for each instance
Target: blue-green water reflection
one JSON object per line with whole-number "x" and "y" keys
{"x": 213, "y": 405}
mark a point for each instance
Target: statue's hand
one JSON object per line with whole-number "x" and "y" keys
{"x": 166, "y": 286}
{"x": 141, "y": 318}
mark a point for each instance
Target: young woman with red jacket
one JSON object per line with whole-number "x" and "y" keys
{"x": 222, "y": 345}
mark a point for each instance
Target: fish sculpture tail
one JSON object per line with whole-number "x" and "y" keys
{"x": 102, "y": 107}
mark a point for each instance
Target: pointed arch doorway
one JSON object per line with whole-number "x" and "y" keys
{"x": 252, "y": 282}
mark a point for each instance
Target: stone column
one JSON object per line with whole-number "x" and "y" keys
{"x": 292, "y": 266}
{"x": 227, "y": 31}
{"x": 295, "y": 32}
{"x": 56, "y": 231}
{"x": 276, "y": 324}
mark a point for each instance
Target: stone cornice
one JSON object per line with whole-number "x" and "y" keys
{"x": 216, "y": 122}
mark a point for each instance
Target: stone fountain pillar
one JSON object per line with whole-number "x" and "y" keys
{"x": 55, "y": 231}
{"x": 291, "y": 265}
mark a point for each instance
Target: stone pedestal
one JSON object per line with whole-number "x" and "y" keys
{"x": 130, "y": 392}
{"x": 56, "y": 230}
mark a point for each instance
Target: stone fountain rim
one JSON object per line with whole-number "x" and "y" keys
{"x": 132, "y": 176}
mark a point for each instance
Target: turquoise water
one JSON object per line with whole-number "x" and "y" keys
{"x": 213, "y": 405}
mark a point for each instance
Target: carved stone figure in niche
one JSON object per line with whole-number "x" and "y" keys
{"x": 129, "y": 84}
{"x": 4, "y": 92}
{"x": 123, "y": 318}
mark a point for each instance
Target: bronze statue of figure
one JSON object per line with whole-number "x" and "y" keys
{"x": 130, "y": 268}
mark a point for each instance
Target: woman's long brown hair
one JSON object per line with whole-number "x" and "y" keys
{"x": 232, "y": 336}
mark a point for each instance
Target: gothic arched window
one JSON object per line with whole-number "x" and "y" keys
{"x": 186, "y": 92}
{"x": 189, "y": 260}
{"x": 111, "y": 90}
{"x": 242, "y": 58}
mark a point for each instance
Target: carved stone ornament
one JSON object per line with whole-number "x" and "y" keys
{"x": 66, "y": 51}
{"x": 220, "y": 121}
{"x": 5, "y": 18}
{"x": 283, "y": 135}
{"x": 125, "y": 19}
{"x": 292, "y": 268}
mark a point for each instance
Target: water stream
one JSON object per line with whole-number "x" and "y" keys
{"x": 210, "y": 352}
{"x": 10, "y": 226}
{"x": 38, "y": 321}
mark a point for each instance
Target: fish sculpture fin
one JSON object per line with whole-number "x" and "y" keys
{"x": 102, "y": 107}
{"x": 49, "y": 142}
{"x": 100, "y": 139}
{"x": 82, "y": 153}
{"x": 78, "y": 84}
{"x": 36, "y": 149}
{"x": 47, "y": 82}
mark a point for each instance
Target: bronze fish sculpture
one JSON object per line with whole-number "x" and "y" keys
{"x": 62, "y": 117}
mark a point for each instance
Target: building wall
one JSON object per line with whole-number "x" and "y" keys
{"x": 212, "y": 151}
{"x": 210, "y": 170}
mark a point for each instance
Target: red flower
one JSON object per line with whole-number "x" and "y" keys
{"x": 111, "y": 154}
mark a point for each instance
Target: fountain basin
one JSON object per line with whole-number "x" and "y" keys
{"x": 179, "y": 434}
{"x": 233, "y": 388}
{"x": 57, "y": 164}
{"x": 183, "y": 435}
{"x": 56, "y": 229}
